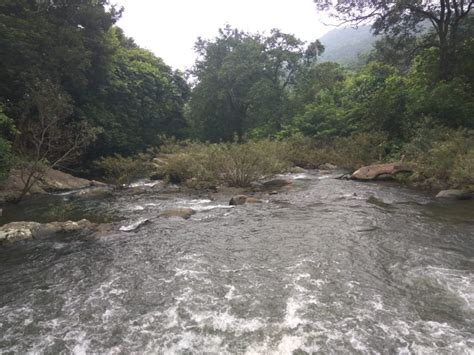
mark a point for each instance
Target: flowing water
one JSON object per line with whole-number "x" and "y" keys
{"x": 327, "y": 267}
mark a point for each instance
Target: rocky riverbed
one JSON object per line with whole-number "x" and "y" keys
{"x": 318, "y": 265}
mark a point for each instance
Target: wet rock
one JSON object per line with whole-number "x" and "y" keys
{"x": 51, "y": 180}
{"x": 95, "y": 183}
{"x": 184, "y": 213}
{"x": 94, "y": 193}
{"x": 277, "y": 183}
{"x": 344, "y": 177}
{"x": 371, "y": 172}
{"x": 243, "y": 199}
{"x": 17, "y": 231}
{"x": 134, "y": 226}
{"x": 385, "y": 177}
{"x": 273, "y": 193}
{"x": 455, "y": 195}
{"x": 238, "y": 200}
{"x": 158, "y": 175}
{"x": 56, "y": 180}
{"x": 328, "y": 166}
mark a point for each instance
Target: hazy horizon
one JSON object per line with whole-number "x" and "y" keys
{"x": 170, "y": 29}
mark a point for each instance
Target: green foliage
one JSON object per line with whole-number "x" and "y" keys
{"x": 360, "y": 149}
{"x": 142, "y": 99}
{"x": 243, "y": 82}
{"x": 198, "y": 164}
{"x": 443, "y": 157}
{"x": 7, "y": 132}
{"x": 120, "y": 170}
{"x": 111, "y": 85}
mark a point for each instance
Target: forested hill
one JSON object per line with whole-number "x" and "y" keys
{"x": 344, "y": 45}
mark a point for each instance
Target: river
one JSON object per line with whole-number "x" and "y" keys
{"x": 327, "y": 266}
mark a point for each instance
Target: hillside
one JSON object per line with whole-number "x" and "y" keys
{"x": 343, "y": 45}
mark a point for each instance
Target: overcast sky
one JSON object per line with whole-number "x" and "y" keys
{"x": 170, "y": 28}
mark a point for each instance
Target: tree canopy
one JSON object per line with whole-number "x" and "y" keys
{"x": 397, "y": 17}
{"x": 243, "y": 80}
{"x": 125, "y": 93}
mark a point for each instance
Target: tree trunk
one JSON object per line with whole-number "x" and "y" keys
{"x": 445, "y": 62}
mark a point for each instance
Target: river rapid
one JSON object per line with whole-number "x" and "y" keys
{"x": 327, "y": 266}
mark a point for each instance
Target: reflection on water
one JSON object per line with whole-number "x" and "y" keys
{"x": 328, "y": 266}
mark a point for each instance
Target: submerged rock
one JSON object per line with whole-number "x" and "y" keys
{"x": 17, "y": 231}
{"x": 371, "y": 172}
{"x": 455, "y": 195}
{"x": 184, "y": 213}
{"x": 276, "y": 183}
{"x": 243, "y": 199}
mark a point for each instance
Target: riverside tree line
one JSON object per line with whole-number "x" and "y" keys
{"x": 74, "y": 88}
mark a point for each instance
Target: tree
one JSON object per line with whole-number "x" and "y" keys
{"x": 242, "y": 82}
{"x": 395, "y": 17}
{"x": 7, "y": 133}
{"x": 47, "y": 138}
{"x": 141, "y": 98}
{"x": 110, "y": 83}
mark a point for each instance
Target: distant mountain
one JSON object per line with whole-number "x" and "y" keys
{"x": 344, "y": 45}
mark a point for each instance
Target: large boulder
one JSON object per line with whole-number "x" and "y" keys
{"x": 371, "y": 172}
{"x": 51, "y": 180}
{"x": 184, "y": 213}
{"x": 55, "y": 180}
{"x": 17, "y": 231}
{"x": 242, "y": 200}
{"x": 455, "y": 195}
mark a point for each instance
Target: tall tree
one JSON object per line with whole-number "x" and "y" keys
{"x": 394, "y": 17}
{"x": 242, "y": 81}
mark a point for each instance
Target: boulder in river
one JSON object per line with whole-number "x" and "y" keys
{"x": 243, "y": 199}
{"x": 277, "y": 183}
{"x": 184, "y": 213}
{"x": 50, "y": 180}
{"x": 16, "y": 231}
{"x": 455, "y": 195}
{"x": 371, "y": 172}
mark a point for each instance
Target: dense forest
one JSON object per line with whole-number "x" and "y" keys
{"x": 74, "y": 88}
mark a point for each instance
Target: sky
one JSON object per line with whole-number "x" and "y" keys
{"x": 169, "y": 28}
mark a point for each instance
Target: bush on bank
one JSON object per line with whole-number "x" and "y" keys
{"x": 442, "y": 158}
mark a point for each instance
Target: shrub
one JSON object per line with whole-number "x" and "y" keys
{"x": 359, "y": 149}
{"x": 119, "y": 170}
{"x": 199, "y": 164}
{"x": 443, "y": 157}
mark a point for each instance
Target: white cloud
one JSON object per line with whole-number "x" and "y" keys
{"x": 170, "y": 28}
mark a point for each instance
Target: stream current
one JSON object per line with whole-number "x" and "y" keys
{"x": 327, "y": 266}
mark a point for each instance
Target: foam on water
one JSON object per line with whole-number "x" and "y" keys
{"x": 134, "y": 226}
